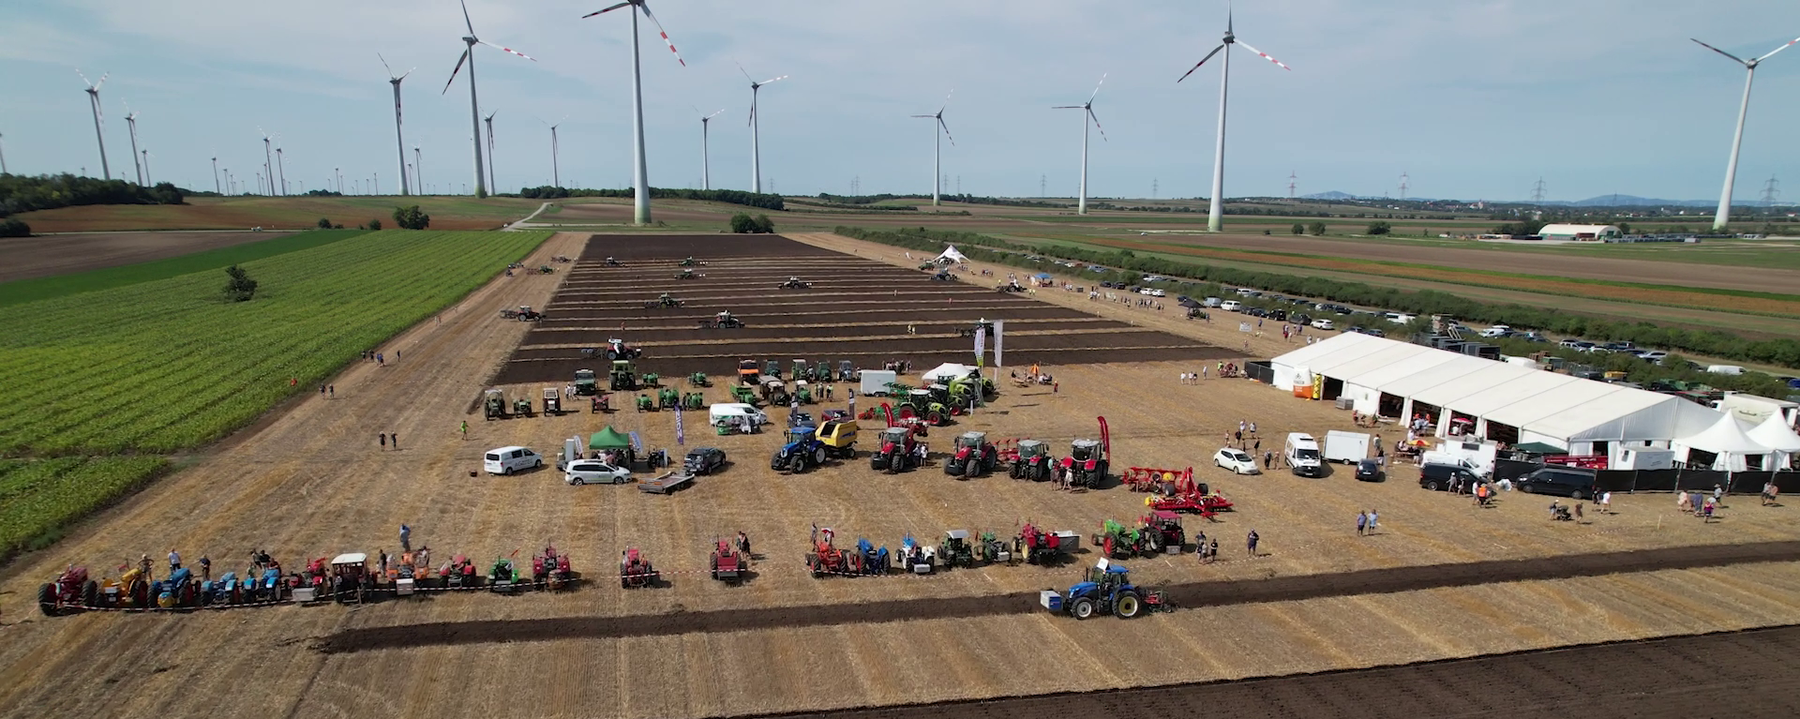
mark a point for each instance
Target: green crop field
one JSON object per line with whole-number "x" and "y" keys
{"x": 38, "y": 496}
{"x": 169, "y": 364}
{"x": 43, "y": 288}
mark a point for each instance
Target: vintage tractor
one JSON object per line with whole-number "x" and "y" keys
{"x": 698, "y": 379}
{"x": 522, "y": 406}
{"x": 774, "y": 391}
{"x": 846, "y": 371}
{"x": 494, "y": 404}
{"x": 825, "y": 558}
{"x": 1087, "y": 461}
{"x": 266, "y": 585}
{"x": 623, "y": 375}
{"x": 550, "y": 570}
{"x": 645, "y": 403}
{"x": 70, "y": 588}
{"x": 724, "y": 320}
{"x": 744, "y": 395}
{"x": 895, "y": 451}
{"x": 693, "y": 400}
{"x": 801, "y": 370}
{"x": 869, "y": 560}
{"x": 993, "y": 550}
{"x": 685, "y": 274}
{"x": 772, "y": 368}
{"x": 1046, "y": 548}
{"x": 972, "y": 456}
{"x": 586, "y": 383}
{"x": 1162, "y": 533}
{"x": 503, "y": 576}
{"x": 802, "y": 451}
{"x": 460, "y": 573}
{"x": 956, "y": 550}
{"x": 794, "y": 283}
{"x": 665, "y": 300}
{"x": 649, "y": 379}
{"x": 227, "y": 589}
{"x": 916, "y": 558}
{"x": 838, "y": 436}
{"x": 635, "y": 572}
{"x": 1118, "y": 541}
{"x": 552, "y": 401}
{"x": 803, "y": 394}
{"x": 1106, "y": 588}
{"x": 1031, "y": 460}
{"x": 351, "y": 580}
{"x": 601, "y": 403}
{"x": 727, "y": 563}
{"x": 668, "y": 398}
{"x": 131, "y": 589}
{"x": 747, "y": 372}
{"x": 316, "y": 576}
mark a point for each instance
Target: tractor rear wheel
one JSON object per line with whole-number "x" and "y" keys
{"x": 612, "y": 354}
{"x": 90, "y": 593}
{"x": 1127, "y": 605}
{"x": 1082, "y": 608}
{"x": 896, "y": 463}
{"x": 47, "y": 599}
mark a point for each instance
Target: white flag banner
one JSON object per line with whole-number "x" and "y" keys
{"x": 999, "y": 341}
{"x": 980, "y": 343}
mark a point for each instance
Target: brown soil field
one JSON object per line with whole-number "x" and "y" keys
{"x": 313, "y": 482}
{"x": 47, "y": 255}
{"x": 543, "y": 336}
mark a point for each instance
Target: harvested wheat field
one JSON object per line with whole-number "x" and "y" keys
{"x": 313, "y": 482}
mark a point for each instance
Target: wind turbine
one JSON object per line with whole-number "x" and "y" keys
{"x": 1723, "y": 216}
{"x": 705, "y": 156}
{"x": 555, "y": 174}
{"x": 937, "y": 167}
{"x": 492, "y": 183}
{"x": 1216, "y": 207}
{"x": 2, "y": 155}
{"x": 93, "y": 91}
{"x": 1087, "y": 109}
{"x": 468, "y": 56}
{"x": 216, "y": 187}
{"x": 418, "y": 169}
{"x": 399, "y": 140}
{"x": 755, "y": 131}
{"x": 131, "y": 123}
{"x": 281, "y": 166}
{"x": 146, "y": 167}
{"x": 268, "y": 163}
{"x": 641, "y": 176}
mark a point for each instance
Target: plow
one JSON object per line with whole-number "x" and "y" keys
{"x": 1187, "y": 495}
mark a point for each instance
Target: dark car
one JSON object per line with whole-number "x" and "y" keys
{"x": 703, "y": 460}
{"x": 1572, "y": 482}
{"x": 1278, "y": 315}
{"x": 1369, "y": 470}
{"x": 1439, "y": 476}
{"x": 1372, "y": 332}
{"x": 1256, "y": 312}
{"x": 1302, "y": 319}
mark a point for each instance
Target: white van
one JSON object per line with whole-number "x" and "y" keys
{"x": 1302, "y": 453}
{"x": 1729, "y": 369}
{"x": 734, "y": 413}
{"x": 507, "y": 460}
{"x": 1231, "y": 306}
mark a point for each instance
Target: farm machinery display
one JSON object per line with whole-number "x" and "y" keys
{"x": 803, "y": 394}
{"x": 635, "y": 571}
{"x": 503, "y": 576}
{"x": 838, "y": 436}
{"x": 802, "y": 450}
{"x": 645, "y": 403}
{"x": 586, "y": 383}
{"x": 623, "y": 376}
{"x": 70, "y": 588}
{"x": 1028, "y": 459}
{"x": 846, "y": 371}
{"x": 774, "y": 391}
{"x": 825, "y": 558}
{"x": 698, "y": 379}
{"x": 668, "y": 398}
{"x": 957, "y": 549}
{"x": 350, "y": 580}
{"x": 550, "y": 570}
{"x": 552, "y": 402}
{"x": 728, "y": 562}
{"x": 521, "y": 406}
{"x": 1045, "y": 547}
{"x": 772, "y": 368}
{"x": 916, "y": 557}
{"x": 460, "y": 573}
{"x": 1186, "y": 495}
{"x": 748, "y": 373}
{"x": 896, "y": 451}
{"x": 493, "y": 404}
{"x": 616, "y": 349}
{"x": 923, "y": 404}
{"x": 1087, "y": 461}
{"x": 972, "y": 456}
{"x": 1106, "y": 588}
{"x": 664, "y": 300}
{"x": 794, "y": 283}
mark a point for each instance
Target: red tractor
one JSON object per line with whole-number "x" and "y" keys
{"x": 550, "y": 570}
{"x": 825, "y": 558}
{"x": 635, "y": 571}
{"x": 1162, "y": 532}
{"x": 460, "y": 572}
{"x": 895, "y": 451}
{"x": 972, "y": 456}
{"x": 70, "y": 588}
{"x": 1046, "y": 548}
{"x": 1087, "y": 461}
{"x": 1030, "y": 459}
{"x": 727, "y": 562}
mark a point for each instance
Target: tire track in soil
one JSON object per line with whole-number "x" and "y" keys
{"x": 1213, "y": 593}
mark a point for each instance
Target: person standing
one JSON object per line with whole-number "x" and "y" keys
{"x": 1250, "y": 542}
{"x": 1606, "y": 502}
{"x": 174, "y": 561}
{"x": 394, "y": 438}
{"x": 382, "y": 438}
{"x": 321, "y": 390}
{"x": 205, "y": 568}
{"x": 1374, "y": 518}
{"x": 1212, "y": 550}
{"x": 1362, "y": 520}
{"x": 333, "y": 389}
{"x": 1718, "y": 494}
{"x": 405, "y": 538}
{"x": 465, "y": 430}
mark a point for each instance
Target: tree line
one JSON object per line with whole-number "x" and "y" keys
{"x": 735, "y": 197}
{"x": 26, "y": 193}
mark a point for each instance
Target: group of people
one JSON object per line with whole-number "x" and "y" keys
{"x": 1707, "y": 506}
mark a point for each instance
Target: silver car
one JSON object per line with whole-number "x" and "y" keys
{"x": 593, "y": 471}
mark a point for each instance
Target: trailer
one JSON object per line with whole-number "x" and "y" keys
{"x": 1346, "y": 447}
{"x": 874, "y": 382}
{"x": 665, "y": 483}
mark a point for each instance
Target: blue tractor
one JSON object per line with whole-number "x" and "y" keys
{"x": 802, "y": 451}
{"x": 1106, "y": 588}
{"x": 265, "y": 587}
{"x": 870, "y": 559}
{"x": 224, "y": 590}
{"x": 179, "y": 590}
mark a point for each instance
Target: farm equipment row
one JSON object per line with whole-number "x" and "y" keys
{"x": 959, "y": 548}
{"x": 494, "y": 404}
{"x": 750, "y": 372}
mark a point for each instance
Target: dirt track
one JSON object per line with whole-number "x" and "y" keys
{"x": 1194, "y": 594}
{"x": 46, "y": 255}
{"x": 1736, "y": 674}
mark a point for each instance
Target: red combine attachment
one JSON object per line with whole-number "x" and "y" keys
{"x": 727, "y": 562}
{"x": 635, "y": 571}
{"x": 1156, "y": 479}
{"x": 1188, "y": 496}
{"x": 551, "y": 570}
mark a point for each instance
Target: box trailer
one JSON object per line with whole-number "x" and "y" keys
{"x": 1346, "y": 447}
{"x": 875, "y": 382}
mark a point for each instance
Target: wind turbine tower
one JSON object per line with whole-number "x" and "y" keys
{"x": 1087, "y": 110}
{"x": 216, "y": 187}
{"x": 755, "y": 131}
{"x": 468, "y": 56}
{"x": 937, "y": 162}
{"x": 1216, "y": 206}
{"x": 493, "y": 184}
{"x": 705, "y": 155}
{"x": 640, "y": 171}
{"x": 399, "y": 139}
{"x": 93, "y": 91}
{"x": 131, "y": 125}
{"x": 268, "y": 165}
{"x": 1723, "y": 216}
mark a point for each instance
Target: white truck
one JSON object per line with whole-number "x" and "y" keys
{"x": 1346, "y": 447}
{"x": 1477, "y": 457}
{"x": 1302, "y": 454}
{"x": 875, "y": 382}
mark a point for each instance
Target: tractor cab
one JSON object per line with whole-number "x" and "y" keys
{"x": 494, "y": 404}
{"x": 774, "y": 391}
{"x": 747, "y": 371}
{"x": 1106, "y": 575}
{"x": 971, "y": 441}
{"x": 846, "y": 371}
{"x": 585, "y": 382}
{"x": 772, "y": 368}
{"x": 897, "y": 436}
{"x": 1084, "y": 450}
{"x": 624, "y": 375}
{"x": 1031, "y": 449}
{"x": 799, "y": 433}
{"x": 801, "y": 369}
{"x": 552, "y": 400}
{"x": 350, "y": 578}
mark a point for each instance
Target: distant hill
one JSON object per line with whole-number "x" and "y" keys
{"x": 1635, "y": 201}
{"x": 1332, "y": 195}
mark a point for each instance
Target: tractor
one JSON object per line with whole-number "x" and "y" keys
{"x": 774, "y": 391}
{"x": 747, "y": 372}
{"x": 623, "y": 375}
{"x": 744, "y": 395}
{"x": 870, "y": 559}
{"x": 664, "y": 300}
{"x": 1030, "y": 461}
{"x": 503, "y": 577}
{"x": 1106, "y": 588}
{"x": 227, "y": 589}
{"x": 1087, "y": 461}
{"x": 802, "y": 450}
{"x": 689, "y": 262}
{"x": 698, "y": 379}
{"x": 1162, "y": 533}
{"x": 685, "y": 274}
{"x": 1010, "y": 286}
{"x": 522, "y": 407}
{"x": 801, "y": 370}
{"x": 919, "y": 403}
{"x": 70, "y": 588}
{"x": 992, "y": 549}
{"x": 131, "y": 589}
{"x": 350, "y": 579}
{"x": 972, "y": 456}
{"x": 895, "y": 451}
{"x": 649, "y": 379}
{"x": 550, "y": 570}
{"x": 846, "y": 371}
{"x": 727, "y": 563}
{"x": 526, "y": 314}
{"x": 825, "y": 558}
{"x": 586, "y": 383}
{"x": 803, "y": 394}
{"x": 601, "y": 403}
{"x": 266, "y": 585}
{"x": 693, "y": 400}
{"x": 668, "y": 398}
{"x": 552, "y": 401}
{"x": 460, "y": 573}
{"x": 1119, "y": 541}
{"x": 645, "y": 403}
{"x": 956, "y": 550}
{"x": 494, "y": 404}
{"x": 838, "y": 436}
{"x": 916, "y": 558}
{"x": 794, "y": 283}
{"x": 724, "y": 320}
{"x": 610, "y": 262}
{"x": 616, "y": 349}
{"x": 772, "y": 368}
{"x": 982, "y": 326}
{"x": 1046, "y": 548}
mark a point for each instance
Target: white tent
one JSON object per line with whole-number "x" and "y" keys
{"x": 950, "y": 257}
{"x": 1727, "y": 440}
{"x": 947, "y": 371}
{"x": 1776, "y": 435}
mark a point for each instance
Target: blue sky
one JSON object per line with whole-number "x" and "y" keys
{"x": 1470, "y": 99}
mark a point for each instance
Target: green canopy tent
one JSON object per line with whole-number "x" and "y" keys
{"x": 608, "y": 438}
{"x": 1539, "y": 448}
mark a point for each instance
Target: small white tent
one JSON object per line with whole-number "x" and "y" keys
{"x": 1727, "y": 441}
{"x": 948, "y": 371}
{"x": 1775, "y": 434}
{"x": 950, "y": 257}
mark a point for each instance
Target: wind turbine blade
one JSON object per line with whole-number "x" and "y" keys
{"x": 1264, "y": 55}
{"x": 752, "y": 119}
{"x": 466, "y": 20}
{"x": 661, "y": 31}
{"x": 102, "y": 81}
{"x": 90, "y": 83}
{"x": 610, "y": 9}
{"x": 384, "y": 65}
{"x": 1068, "y": 107}
{"x": 1097, "y": 87}
{"x": 459, "y": 64}
{"x": 404, "y": 74}
{"x": 946, "y": 130}
{"x": 746, "y": 72}
{"x": 1722, "y": 52}
{"x": 715, "y": 114}
{"x": 1197, "y": 65}
{"x": 765, "y": 82}
{"x": 1096, "y": 118}
{"x": 933, "y": 116}
{"x": 946, "y": 102}
{"x": 507, "y": 49}
{"x": 1779, "y": 49}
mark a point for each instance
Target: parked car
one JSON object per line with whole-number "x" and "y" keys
{"x": 1278, "y": 315}
{"x": 1231, "y": 306}
{"x": 1652, "y": 355}
{"x": 1438, "y": 476}
{"x": 506, "y": 460}
{"x": 1301, "y": 319}
{"x": 1256, "y": 312}
{"x": 1497, "y": 331}
{"x": 1532, "y": 337}
{"x": 1157, "y": 292}
{"x": 1322, "y": 323}
{"x": 703, "y": 460}
{"x": 1369, "y": 470}
{"x": 594, "y": 471}
{"x": 1571, "y": 343}
{"x": 1236, "y": 460}
{"x": 1573, "y": 482}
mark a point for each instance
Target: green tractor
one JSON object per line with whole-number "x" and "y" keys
{"x": 650, "y": 379}
{"x": 668, "y": 398}
{"x": 585, "y": 383}
{"x": 685, "y": 274}
{"x": 494, "y": 404}
{"x": 801, "y": 370}
{"x": 504, "y": 576}
{"x": 664, "y": 300}
{"x": 689, "y": 262}
{"x": 804, "y": 394}
{"x": 772, "y": 368}
{"x": 1117, "y": 540}
{"x": 522, "y": 407}
{"x": 920, "y": 403}
{"x": 624, "y": 375}
{"x": 956, "y": 550}
{"x": 645, "y": 403}
{"x": 693, "y": 400}
{"x": 698, "y": 379}
{"x": 743, "y": 395}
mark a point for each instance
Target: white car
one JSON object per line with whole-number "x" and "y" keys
{"x": 1236, "y": 460}
{"x": 1322, "y": 323}
{"x": 593, "y": 471}
{"x": 1159, "y": 293}
{"x": 1231, "y": 306}
{"x": 1497, "y": 331}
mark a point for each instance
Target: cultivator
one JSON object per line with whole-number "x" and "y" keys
{"x": 1189, "y": 496}
{"x": 1155, "y": 479}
